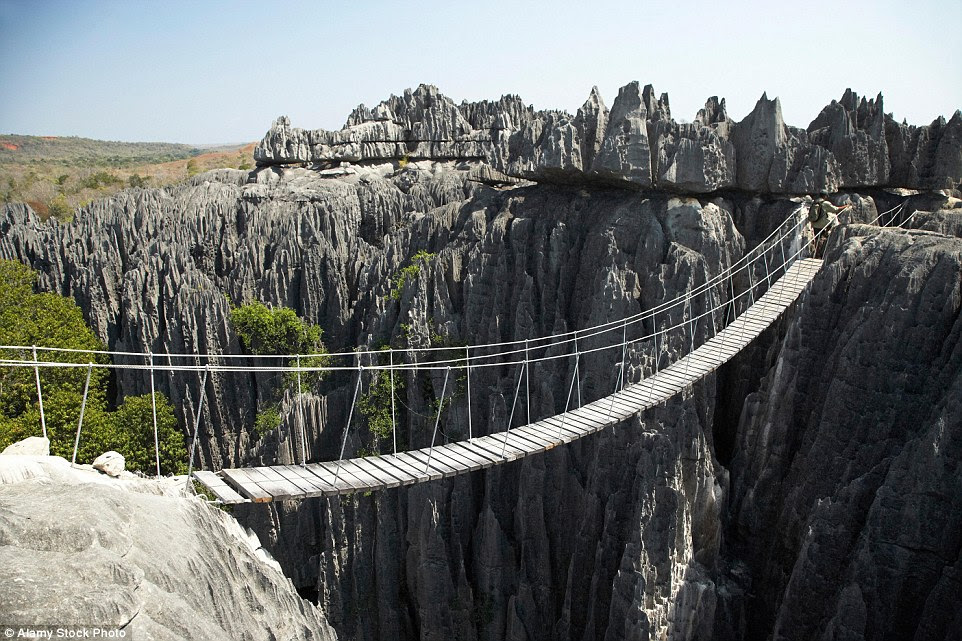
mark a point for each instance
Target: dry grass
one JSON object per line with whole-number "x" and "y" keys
{"x": 58, "y": 188}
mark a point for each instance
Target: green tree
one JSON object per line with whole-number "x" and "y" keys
{"x": 59, "y": 207}
{"x": 134, "y": 429}
{"x": 49, "y": 320}
{"x": 192, "y": 168}
{"x": 136, "y": 180}
{"x": 275, "y": 330}
{"x": 375, "y": 405}
{"x": 279, "y": 330}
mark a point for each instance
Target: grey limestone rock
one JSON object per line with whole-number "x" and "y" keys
{"x": 625, "y": 153}
{"x": 623, "y": 535}
{"x": 30, "y": 446}
{"x": 110, "y": 463}
{"x": 157, "y": 566}
{"x": 846, "y": 505}
{"x": 851, "y": 143}
{"x": 854, "y": 132}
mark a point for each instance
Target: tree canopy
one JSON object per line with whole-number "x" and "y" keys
{"x": 49, "y": 320}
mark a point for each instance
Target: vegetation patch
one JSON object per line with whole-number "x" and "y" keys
{"x": 49, "y": 320}
{"x": 409, "y": 273}
{"x": 280, "y": 331}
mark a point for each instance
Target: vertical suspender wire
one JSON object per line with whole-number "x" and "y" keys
{"x": 657, "y": 354}
{"x": 577, "y": 367}
{"x": 527, "y": 381}
{"x": 624, "y": 356}
{"x": 781, "y": 245}
{"x": 691, "y": 332}
{"x": 621, "y": 374}
{"x": 200, "y": 409}
{"x": 36, "y": 371}
{"x": 83, "y": 406}
{"x": 467, "y": 365}
{"x": 514, "y": 404}
{"x": 687, "y": 309}
{"x": 564, "y": 415}
{"x": 350, "y": 416}
{"x": 437, "y": 421}
{"x": 393, "y": 416}
{"x": 768, "y": 276}
{"x": 153, "y": 410}
{"x": 300, "y": 416}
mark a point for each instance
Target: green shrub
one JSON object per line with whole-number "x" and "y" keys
{"x": 59, "y": 208}
{"x": 375, "y": 405}
{"x": 277, "y": 330}
{"x": 409, "y": 273}
{"x": 50, "y": 320}
{"x": 267, "y": 420}
{"x": 138, "y": 181}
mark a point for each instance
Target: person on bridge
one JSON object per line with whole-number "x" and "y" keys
{"x": 823, "y": 217}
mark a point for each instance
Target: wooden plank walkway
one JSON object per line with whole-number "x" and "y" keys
{"x": 276, "y": 483}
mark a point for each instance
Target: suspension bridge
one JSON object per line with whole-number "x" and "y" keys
{"x": 726, "y": 313}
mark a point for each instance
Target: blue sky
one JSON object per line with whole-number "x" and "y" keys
{"x": 208, "y": 71}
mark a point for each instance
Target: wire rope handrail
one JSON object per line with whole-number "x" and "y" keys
{"x": 469, "y": 360}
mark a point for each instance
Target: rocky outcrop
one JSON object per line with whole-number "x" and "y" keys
{"x": 851, "y": 144}
{"x": 636, "y": 532}
{"x": 845, "y": 495}
{"x": 137, "y": 557}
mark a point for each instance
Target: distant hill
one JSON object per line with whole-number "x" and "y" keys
{"x": 56, "y": 175}
{"x": 71, "y": 150}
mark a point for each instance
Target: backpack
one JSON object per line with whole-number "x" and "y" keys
{"x": 815, "y": 211}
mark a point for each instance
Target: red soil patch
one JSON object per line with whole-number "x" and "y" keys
{"x": 10, "y": 146}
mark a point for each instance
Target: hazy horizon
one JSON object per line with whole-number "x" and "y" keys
{"x": 219, "y": 73}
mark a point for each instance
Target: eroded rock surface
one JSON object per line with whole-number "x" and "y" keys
{"x": 75, "y": 549}
{"x": 636, "y": 532}
{"x": 846, "y": 497}
{"x": 852, "y": 143}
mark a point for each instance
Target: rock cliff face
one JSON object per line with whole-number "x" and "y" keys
{"x": 134, "y": 555}
{"x": 668, "y": 526}
{"x": 846, "y": 496}
{"x": 851, "y": 144}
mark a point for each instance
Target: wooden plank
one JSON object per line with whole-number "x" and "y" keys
{"x": 529, "y": 444}
{"x": 431, "y": 461}
{"x": 418, "y": 465}
{"x": 274, "y": 483}
{"x": 358, "y": 470}
{"x": 488, "y": 444}
{"x": 650, "y": 394}
{"x": 492, "y": 443}
{"x": 601, "y": 416}
{"x": 487, "y": 458}
{"x": 473, "y": 457}
{"x": 565, "y": 434}
{"x": 216, "y": 485}
{"x": 367, "y": 466}
{"x": 394, "y": 470}
{"x": 579, "y": 423}
{"x": 405, "y": 465}
{"x": 342, "y": 481}
{"x": 320, "y": 477}
{"x": 614, "y": 408}
{"x": 315, "y": 486}
{"x": 247, "y": 487}
{"x": 306, "y": 488}
{"x": 465, "y": 462}
{"x": 541, "y": 431}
